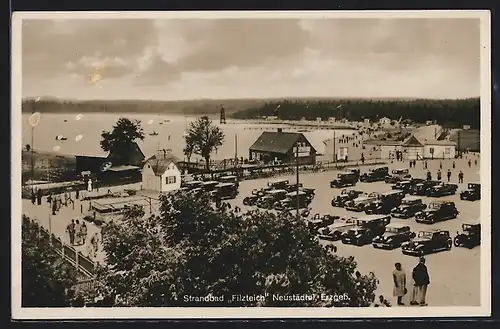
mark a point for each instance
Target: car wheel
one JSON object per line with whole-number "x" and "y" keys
{"x": 456, "y": 242}
{"x": 337, "y": 235}
{"x": 448, "y": 245}
{"x": 245, "y": 201}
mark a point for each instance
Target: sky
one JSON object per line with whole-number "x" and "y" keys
{"x": 173, "y": 59}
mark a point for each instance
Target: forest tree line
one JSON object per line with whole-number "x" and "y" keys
{"x": 450, "y": 113}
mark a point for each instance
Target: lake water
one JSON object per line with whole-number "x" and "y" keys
{"x": 83, "y": 136}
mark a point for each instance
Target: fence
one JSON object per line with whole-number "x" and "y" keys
{"x": 84, "y": 265}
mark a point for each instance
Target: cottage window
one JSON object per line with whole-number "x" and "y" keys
{"x": 170, "y": 179}
{"x": 149, "y": 166}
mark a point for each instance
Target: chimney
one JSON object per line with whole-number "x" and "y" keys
{"x": 160, "y": 154}
{"x": 280, "y": 130}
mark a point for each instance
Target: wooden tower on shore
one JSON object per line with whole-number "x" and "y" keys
{"x": 222, "y": 115}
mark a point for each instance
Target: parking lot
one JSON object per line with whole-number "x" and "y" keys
{"x": 454, "y": 274}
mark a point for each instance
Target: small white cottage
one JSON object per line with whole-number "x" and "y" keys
{"x": 161, "y": 172}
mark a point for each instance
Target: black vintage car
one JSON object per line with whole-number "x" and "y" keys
{"x": 375, "y": 175}
{"x": 271, "y": 197}
{"x": 293, "y": 187}
{"x": 226, "y": 191}
{"x": 422, "y": 188}
{"x": 394, "y": 236}
{"x": 436, "y": 212}
{"x": 407, "y": 185}
{"x": 361, "y": 201}
{"x": 398, "y": 175}
{"x": 408, "y": 208}
{"x": 366, "y": 229}
{"x": 290, "y": 201}
{"x": 472, "y": 193}
{"x": 310, "y": 192}
{"x": 344, "y": 178}
{"x": 427, "y": 242}
{"x": 353, "y": 170}
{"x": 229, "y": 179}
{"x": 442, "y": 189}
{"x": 470, "y": 236}
{"x": 318, "y": 221}
{"x": 345, "y": 195}
{"x": 385, "y": 203}
{"x": 280, "y": 184}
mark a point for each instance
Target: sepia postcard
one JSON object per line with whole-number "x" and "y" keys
{"x": 251, "y": 164}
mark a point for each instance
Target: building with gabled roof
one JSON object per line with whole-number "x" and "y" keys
{"x": 161, "y": 172}
{"x": 279, "y": 146}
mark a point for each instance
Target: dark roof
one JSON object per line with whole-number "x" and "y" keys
{"x": 159, "y": 163}
{"x": 412, "y": 141}
{"x": 277, "y": 142}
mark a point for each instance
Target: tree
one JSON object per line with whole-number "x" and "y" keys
{"x": 203, "y": 138}
{"x": 194, "y": 248}
{"x": 47, "y": 280}
{"x": 120, "y": 140}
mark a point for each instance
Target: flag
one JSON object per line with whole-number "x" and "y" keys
{"x": 340, "y": 105}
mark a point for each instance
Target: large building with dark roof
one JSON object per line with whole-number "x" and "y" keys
{"x": 279, "y": 146}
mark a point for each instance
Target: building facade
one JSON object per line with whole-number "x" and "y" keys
{"x": 281, "y": 147}
{"x": 161, "y": 173}
{"x": 440, "y": 149}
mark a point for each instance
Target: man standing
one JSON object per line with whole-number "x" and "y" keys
{"x": 439, "y": 174}
{"x": 460, "y": 177}
{"x": 469, "y": 163}
{"x": 421, "y": 281}
{"x": 448, "y": 174}
{"x": 429, "y": 176}
{"x": 83, "y": 232}
{"x": 71, "y": 231}
{"x": 78, "y": 232}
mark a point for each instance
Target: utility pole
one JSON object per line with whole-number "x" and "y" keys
{"x": 235, "y": 149}
{"x": 297, "y": 168}
{"x": 334, "y": 148}
{"x": 32, "y": 142}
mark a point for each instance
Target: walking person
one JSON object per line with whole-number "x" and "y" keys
{"x": 33, "y": 196}
{"x": 78, "y": 231}
{"x": 94, "y": 241}
{"x": 453, "y": 164}
{"x": 39, "y": 197}
{"x": 421, "y": 281}
{"x": 399, "y": 277}
{"x": 460, "y": 177}
{"x": 70, "y": 229}
{"x": 439, "y": 175}
{"x": 475, "y": 162}
{"x": 469, "y": 162}
{"x": 429, "y": 175}
{"x": 440, "y": 164}
{"x": 83, "y": 232}
{"x": 425, "y": 164}
{"x": 448, "y": 174}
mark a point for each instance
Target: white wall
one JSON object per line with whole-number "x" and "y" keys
{"x": 440, "y": 151}
{"x": 410, "y": 152}
{"x": 149, "y": 180}
{"x": 386, "y": 150}
{"x": 173, "y": 171}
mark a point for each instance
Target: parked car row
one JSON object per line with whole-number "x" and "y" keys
{"x": 378, "y": 231}
{"x": 280, "y": 195}
{"x": 226, "y": 187}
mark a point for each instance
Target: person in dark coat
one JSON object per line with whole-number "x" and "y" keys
{"x": 460, "y": 177}
{"x": 429, "y": 175}
{"x": 39, "y": 197}
{"x": 421, "y": 280}
{"x": 453, "y": 164}
{"x": 469, "y": 163}
{"x": 70, "y": 229}
{"x": 448, "y": 174}
{"x": 439, "y": 175}
{"x": 440, "y": 164}
{"x": 33, "y": 197}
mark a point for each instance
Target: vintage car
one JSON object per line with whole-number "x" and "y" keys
{"x": 290, "y": 201}
{"x": 470, "y": 236}
{"x": 271, "y": 197}
{"x": 256, "y": 194}
{"x": 318, "y": 221}
{"x": 394, "y": 236}
{"x": 398, "y": 175}
{"x": 193, "y": 184}
{"x": 441, "y": 189}
{"x": 437, "y": 211}
{"x": 280, "y": 184}
{"x": 427, "y": 242}
{"x": 407, "y": 185}
{"x": 472, "y": 193}
{"x": 361, "y": 201}
{"x": 385, "y": 203}
{"x": 293, "y": 187}
{"x": 230, "y": 179}
{"x": 226, "y": 191}
{"x": 375, "y": 175}
{"x": 334, "y": 231}
{"x": 422, "y": 188}
{"x": 308, "y": 191}
{"x": 345, "y": 195}
{"x": 366, "y": 229}
{"x": 408, "y": 208}
{"x": 344, "y": 178}
{"x": 210, "y": 186}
